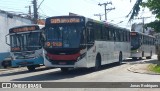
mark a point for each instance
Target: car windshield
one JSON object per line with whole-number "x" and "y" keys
{"x": 64, "y": 36}
{"x": 26, "y": 41}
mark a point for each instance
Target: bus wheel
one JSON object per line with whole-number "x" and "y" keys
{"x": 143, "y": 54}
{"x": 97, "y": 63}
{"x": 134, "y": 58}
{"x": 64, "y": 69}
{"x": 3, "y": 64}
{"x": 120, "y": 58}
{"x": 31, "y": 68}
{"x": 148, "y": 57}
{"x": 5, "y": 67}
{"x": 140, "y": 58}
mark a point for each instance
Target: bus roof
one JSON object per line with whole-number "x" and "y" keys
{"x": 25, "y": 28}
{"x": 49, "y": 21}
{"x": 142, "y": 33}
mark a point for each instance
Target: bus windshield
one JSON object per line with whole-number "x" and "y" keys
{"x": 26, "y": 41}
{"x": 65, "y": 36}
{"x": 135, "y": 42}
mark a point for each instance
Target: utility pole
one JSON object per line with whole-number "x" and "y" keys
{"x": 35, "y": 11}
{"x": 29, "y": 12}
{"x": 142, "y": 21}
{"x": 105, "y": 9}
{"x": 100, "y": 16}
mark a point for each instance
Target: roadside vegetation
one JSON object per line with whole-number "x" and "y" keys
{"x": 154, "y": 68}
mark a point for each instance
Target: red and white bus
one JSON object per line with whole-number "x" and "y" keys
{"x": 77, "y": 41}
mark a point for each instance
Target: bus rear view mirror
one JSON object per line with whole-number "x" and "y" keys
{"x": 7, "y": 39}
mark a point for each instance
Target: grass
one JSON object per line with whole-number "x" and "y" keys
{"x": 154, "y": 68}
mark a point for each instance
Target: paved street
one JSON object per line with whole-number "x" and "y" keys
{"x": 108, "y": 73}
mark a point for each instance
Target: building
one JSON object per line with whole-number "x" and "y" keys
{"x": 9, "y": 20}
{"x": 139, "y": 28}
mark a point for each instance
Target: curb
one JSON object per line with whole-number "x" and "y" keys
{"x": 141, "y": 71}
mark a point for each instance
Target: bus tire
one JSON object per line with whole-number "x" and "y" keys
{"x": 134, "y": 58}
{"x": 120, "y": 58}
{"x": 97, "y": 63}
{"x": 31, "y": 68}
{"x": 64, "y": 69}
{"x": 3, "y": 64}
{"x": 143, "y": 54}
{"x": 148, "y": 57}
{"x": 140, "y": 58}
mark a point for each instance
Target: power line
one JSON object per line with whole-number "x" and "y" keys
{"x": 40, "y": 4}
{"x": 99, "y": 15}
{"x": 143, "y": 21}
{"x": 106, "y": 9}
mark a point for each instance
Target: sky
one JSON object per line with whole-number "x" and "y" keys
{"x": 87, "y": 8}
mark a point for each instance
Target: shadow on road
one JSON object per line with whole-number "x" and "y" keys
{"x": 141, "y": 61}
{"x": 56, "y": 75}
{"x": 153, "y": 61}
{"x": 133, "y": 60}
{"x": 23, "y": 72}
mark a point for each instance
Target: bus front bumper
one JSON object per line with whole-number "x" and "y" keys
{"x": 27, "y": 62}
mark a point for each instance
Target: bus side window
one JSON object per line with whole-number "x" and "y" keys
{"x": 107, "y": 33}
{"x": 97, "y": 31}
{"x": 143, "y": 39}
{"x": 112, "y": 34}
{"x": 90, "y": 32}
{"x": 118, "y": 35}
{"x": 126, "y": 34}
{"x": 104, "y": 32}
{"x": 115, "y": 36}
{"x": 90, "y": 35}
{"x": 121, "y": 35}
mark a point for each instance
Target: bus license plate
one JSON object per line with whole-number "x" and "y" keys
{"x": 62, "y": 63}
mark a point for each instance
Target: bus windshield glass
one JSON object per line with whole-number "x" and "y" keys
{"x": 64, "y": 36}
{"x": 26, "y": 41}
{"x": 135, "y": 42}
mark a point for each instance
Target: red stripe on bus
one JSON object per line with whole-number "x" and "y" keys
{"x": 63, "y": 57}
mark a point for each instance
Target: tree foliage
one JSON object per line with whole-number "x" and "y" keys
{"x": 155, "y": 25}
{"x": 135, "y": 10}
{"x": 154, "y": 7}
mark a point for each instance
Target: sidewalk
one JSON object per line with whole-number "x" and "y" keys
{"x": 143, "y": 67}
{"x": 2, "y": 69}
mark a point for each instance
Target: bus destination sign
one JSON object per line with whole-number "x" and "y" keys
{"x": 64, "y": 20}
{"x": 133, "y": 33}
{"x": 23, "y": 29}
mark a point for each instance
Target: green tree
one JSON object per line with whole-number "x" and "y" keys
{"x": 155, "y": 25}
{"x": 153, "y": 5}
{"x": 135, "y": 10}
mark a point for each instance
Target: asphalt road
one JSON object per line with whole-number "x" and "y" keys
{"x": 108, "y": 73}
